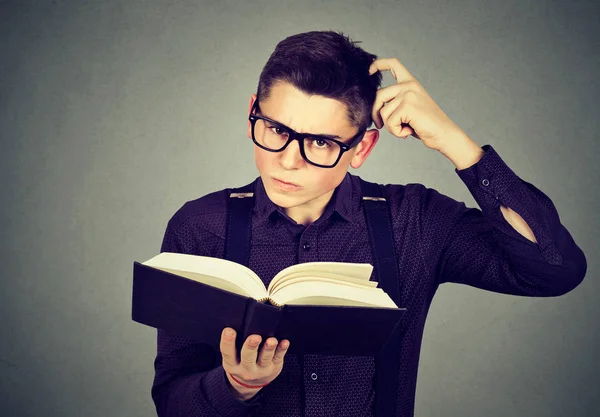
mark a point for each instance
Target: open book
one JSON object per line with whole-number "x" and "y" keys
{"x": 321, "y": 307}
{"x": 317, "y": 283}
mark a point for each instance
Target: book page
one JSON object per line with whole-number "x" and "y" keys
{"x": 224, "y": 270}
{"x": 358, "y": 271}
{"x": 334, "y": 278}
{"x": 326, "y": 293}
{"x": 325, "y": 301}
{"x": 210, "y": 280}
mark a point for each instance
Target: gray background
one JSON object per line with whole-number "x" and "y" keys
{"x": 115, "y": 113}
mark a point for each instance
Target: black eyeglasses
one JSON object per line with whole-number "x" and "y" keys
{"x": 318, "y": 150}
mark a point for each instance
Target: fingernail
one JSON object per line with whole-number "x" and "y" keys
{"x": 229, "y": 332}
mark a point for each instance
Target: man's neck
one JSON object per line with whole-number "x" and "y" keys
{"x": 311, "y": 211}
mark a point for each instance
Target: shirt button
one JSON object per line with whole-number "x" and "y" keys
{"x": 485, "y": 182}
{"x": 314, "y": 376}
{"x": 306, "y": 246}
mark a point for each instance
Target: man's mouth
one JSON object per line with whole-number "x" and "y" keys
{"x": 289, "y": 185}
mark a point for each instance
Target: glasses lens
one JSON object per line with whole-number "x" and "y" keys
{"x": 269, "y": 135}
{"x": 274, "y": 137}
{"x": 321, "y": 151}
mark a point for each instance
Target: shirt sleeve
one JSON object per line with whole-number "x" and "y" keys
{"x": 189, "y": 377}
{"x": 483, "y": 250}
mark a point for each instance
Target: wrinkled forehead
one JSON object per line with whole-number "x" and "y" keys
{"x": 306, "y": 113}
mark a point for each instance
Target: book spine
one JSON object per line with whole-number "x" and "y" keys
{"x": 270, "y": 300}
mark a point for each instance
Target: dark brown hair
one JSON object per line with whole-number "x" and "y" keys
{"x": 328, "y": 64}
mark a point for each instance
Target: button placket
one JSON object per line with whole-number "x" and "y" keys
{"x": 314, "y": 395}
{"x": 307, "y": 249}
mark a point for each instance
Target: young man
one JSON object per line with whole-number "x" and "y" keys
{"x": 317, "y": 96}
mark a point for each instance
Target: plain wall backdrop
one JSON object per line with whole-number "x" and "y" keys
{"x": 113, "y": 114}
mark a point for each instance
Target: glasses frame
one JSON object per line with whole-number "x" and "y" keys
{"x": 293, "y": 135}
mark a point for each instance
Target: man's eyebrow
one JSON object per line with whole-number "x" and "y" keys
{"x": 323, "y": 135}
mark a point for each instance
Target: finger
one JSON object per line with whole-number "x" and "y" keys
{"x": 389, "y": 108}
{"x": 391, "y": 92}
{"x": 266, "y": 354}
{"x": 408, "y": 131}
{"x": 383, "y": 96}
{"x": 398, "y": 70}
{"x": 397, "y": 124}
{"x": 227, "y": 347}
{"x": 250, "y": 350}
{"x": 280, "y": 352}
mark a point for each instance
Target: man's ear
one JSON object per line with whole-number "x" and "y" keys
{"x": 252, "y": 100}
{"x": 364, "y": 148}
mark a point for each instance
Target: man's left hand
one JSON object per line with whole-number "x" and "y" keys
{"x": 406, "y": 109}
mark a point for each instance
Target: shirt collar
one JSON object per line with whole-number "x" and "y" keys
{"x": 340, "y": 202}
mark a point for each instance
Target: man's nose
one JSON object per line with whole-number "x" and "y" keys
{"x": 291, "y": 156}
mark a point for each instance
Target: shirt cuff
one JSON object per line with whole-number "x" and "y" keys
{"x": 493, "y": 184}
{"x": 218, "y": 390}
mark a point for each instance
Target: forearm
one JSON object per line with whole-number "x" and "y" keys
{"x": 465, "y": 153}
{"x": 182, "y": 388}
{"x": 200, "y": 394}
{"x": 461, "y": 150}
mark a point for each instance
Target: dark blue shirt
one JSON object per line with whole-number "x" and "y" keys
{"x": 438, "y": 240}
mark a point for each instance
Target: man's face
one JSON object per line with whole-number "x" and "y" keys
{"x": 314, "y": 186}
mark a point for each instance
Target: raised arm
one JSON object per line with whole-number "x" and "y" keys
{"x": 485, "y": 250}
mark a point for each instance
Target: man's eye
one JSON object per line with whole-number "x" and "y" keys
{"x": 277, "y": 130}
{"x": 320, "y": 143}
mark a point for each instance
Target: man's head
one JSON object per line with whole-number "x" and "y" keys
{"x": 315, "y": 82}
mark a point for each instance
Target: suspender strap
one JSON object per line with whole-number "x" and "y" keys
{"x": 379, "y": 225}
{"x": 238, "y": 229}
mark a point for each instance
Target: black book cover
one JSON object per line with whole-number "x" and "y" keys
{"x": 198, "y": 311}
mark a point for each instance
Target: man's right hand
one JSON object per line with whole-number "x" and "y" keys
{"x": 252, "y": 368}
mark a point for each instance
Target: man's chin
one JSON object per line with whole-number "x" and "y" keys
{"x": 283, "y": 200}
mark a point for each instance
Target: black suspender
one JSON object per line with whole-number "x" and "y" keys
{"x": 239, "y": 224}
{"x": 237, "y": 248}
{"x": 381, "y": 237}
{"x": 387, "y": 363}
